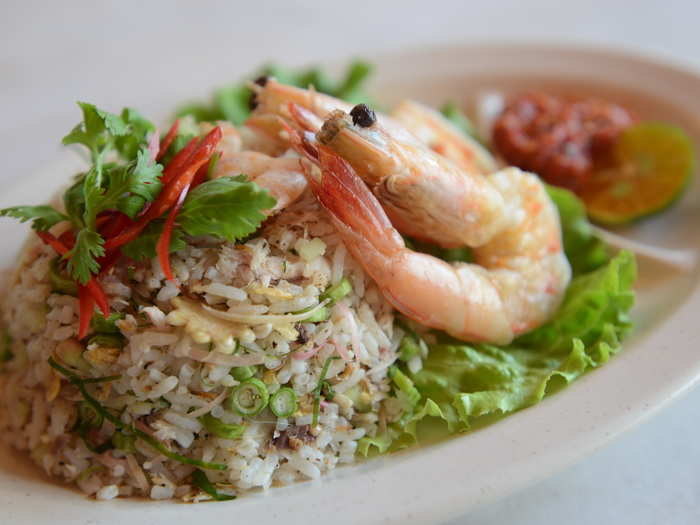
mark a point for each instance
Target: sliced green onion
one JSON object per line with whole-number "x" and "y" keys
{"x": 143, "y": 436}
{"x": 319, "y": 387}
{"x": 249, "y": 398}
{"x": 101, "y": 325}
{"x": 124, "y": 442}
{"x": 337, "y": 291}
{"x": 60, "y": 283}
{"x": 108, "y": 340}
{"x": 89, "y": 416}
{"x": 241, "y": 373}
{"x": 320, "y": 315}
{"x": 220, "y": 429}
{"x": 201, "y": 481}
{"x": 89, "y": 471}
{"x": 284, "y": 402}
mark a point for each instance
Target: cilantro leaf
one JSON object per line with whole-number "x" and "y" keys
{"x": 96, "y": 131}
{"x": 131, "y": 143}
{"x": 82, "y": 262}
{"x": 42, "y": 217}
{"x": 228, "y": 207}
{"x": 144, "y": 176}
{"x": 144, "y": 247}
{"x": 74, "y": 200}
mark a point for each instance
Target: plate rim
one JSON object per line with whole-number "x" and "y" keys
{"x": 497, "y": 484}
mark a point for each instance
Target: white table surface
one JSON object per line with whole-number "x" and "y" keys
{"x": 153, "y": 54}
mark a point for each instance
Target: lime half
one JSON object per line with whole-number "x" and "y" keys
{"x": 653, "y": 164}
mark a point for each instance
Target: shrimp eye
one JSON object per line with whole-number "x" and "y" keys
{"x": 363, "y": 116}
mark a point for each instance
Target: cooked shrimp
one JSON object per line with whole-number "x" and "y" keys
{"x": 516, "y": 284}
{"x": 426, "y": 195}
{"x": 281, "y": 176}
{"x": 442, "y": 137}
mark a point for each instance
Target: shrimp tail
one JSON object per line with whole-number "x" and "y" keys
{"x": 353, "y": 207}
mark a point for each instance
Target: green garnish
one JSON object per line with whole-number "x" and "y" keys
{"x": 144, "y": 246}
{"x": 59, "y": 282}
{"x": 331, "y": 295}
{"x": 320, "y": 315}
{"x": 336, "y": 292}
{"x": 201, "y": 481}
{"x": 454, "y": 114}
{"x": 124, "y": 441}
{"x": 42, "y": 217}
{"x": 146, "y": 438}
{"x": 241, "y": 373}
{"x": 220, "y": 429}
{"x": 249, "y": 398}
{"x": 405, "y": 386}
{"x": 89, "y": 416}
{"x": 108, "y": 340}
{"x": 233, "y": 103}
{"x": 100, "y": 325}
{"x": 322, "y": 385}
{"x": 228, "y": 208}
{"x": 284, "y": 402}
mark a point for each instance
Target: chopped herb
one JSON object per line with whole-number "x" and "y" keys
{"x": 108, "y": 340}
{"x": 143, "y": 436}
{"x": 144, "y": 246}
{"x": 220, "y": 429}
{"x": 284, "y": 402}
{"x": 228, "y": 208}
{"x": 322, "y": 384}
{"x": 124, "y": 441}
{"x": 337, "y": 291}
{"x": 42, "y": 217}
{"x": 241, "y": 373}
{"x": 101, "y": 325}
{"x": 249, "y": 398}
{"x": 60, "y": 282}
{"x": 200, "y": 480}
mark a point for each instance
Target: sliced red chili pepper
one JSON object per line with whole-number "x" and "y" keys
{"x": 179, "y": 161}
{"x": 163, "y": 246}
{"x": 52, "y": 241}
{"x": 98, "y": 295}
{"x": 94, "y": 288}
{"x": 171, "y": 192}
{"x": 201, "y": 175}
{"x": 119, "y": 221}
{"x": 168, "y": 139}
{"x": 87, "y": 307}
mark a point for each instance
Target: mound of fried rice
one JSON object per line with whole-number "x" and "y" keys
{"x": 232, "y": 305}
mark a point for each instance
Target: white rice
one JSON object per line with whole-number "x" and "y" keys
{"x": 174, "y": 367}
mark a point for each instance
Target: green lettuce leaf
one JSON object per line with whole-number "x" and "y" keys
{"x": 461, "y": 385}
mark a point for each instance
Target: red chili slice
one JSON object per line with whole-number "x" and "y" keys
{"x": 168, "y": 139}
{"x": 179, "y": 161}
{"x": 171, "y": 192}
{"x": 163, "y": 246}
{"x": 87, "y": 308}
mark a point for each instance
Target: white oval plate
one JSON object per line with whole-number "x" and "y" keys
{"x": 660, "y": 361}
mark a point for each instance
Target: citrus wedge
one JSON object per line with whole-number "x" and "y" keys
{"x": 653, "y": 164}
